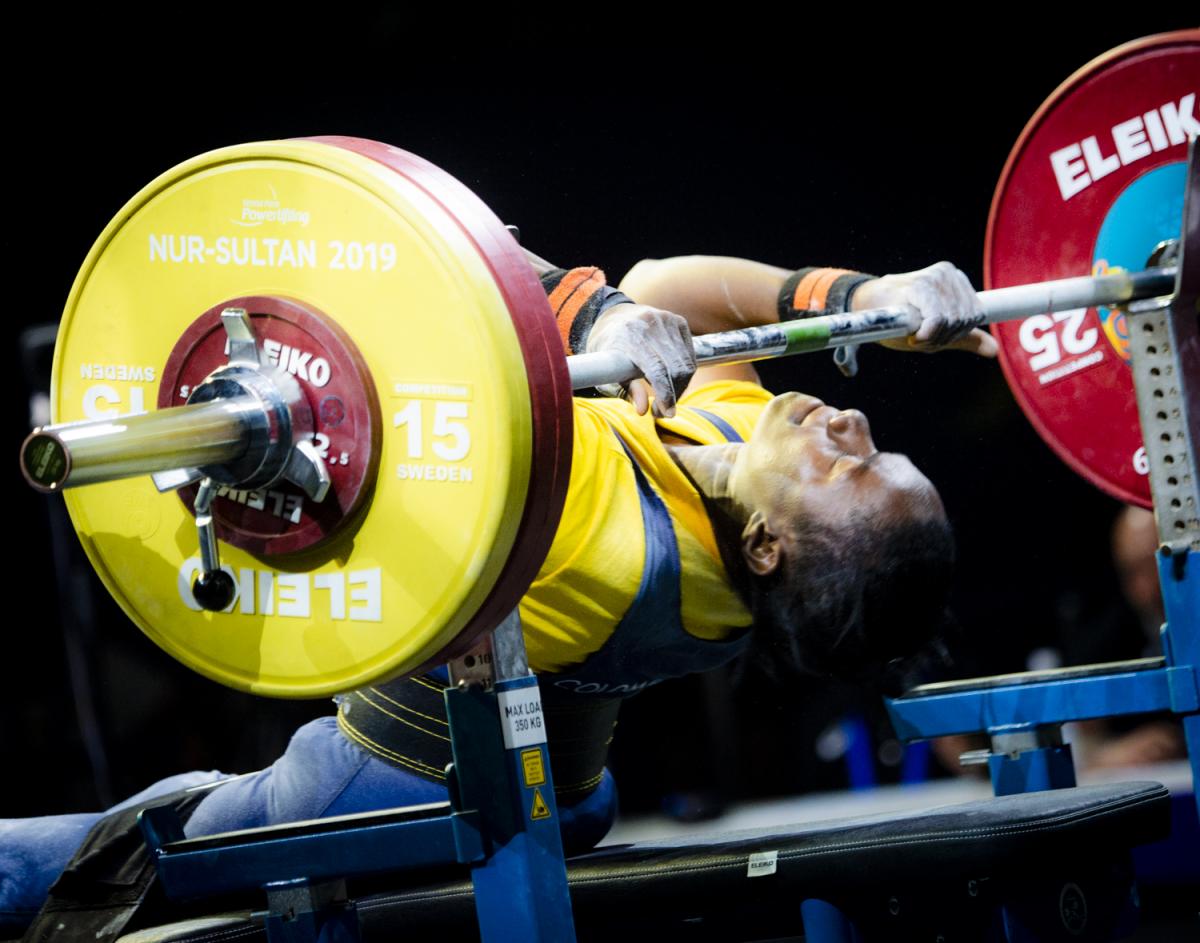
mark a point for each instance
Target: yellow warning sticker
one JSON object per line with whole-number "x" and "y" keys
{"x": 540, "y": 810}
{"x": 534, "y": 767}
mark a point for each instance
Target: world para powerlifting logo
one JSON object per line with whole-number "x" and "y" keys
{"x": 256, "y": 211}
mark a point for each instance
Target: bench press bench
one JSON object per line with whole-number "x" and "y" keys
{"x": 1037, "y": 866}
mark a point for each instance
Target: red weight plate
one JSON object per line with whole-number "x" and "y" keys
{"x": 545, "y": 365}
{"x": 1094, "y": 182}
{"x": 346, "y": 422}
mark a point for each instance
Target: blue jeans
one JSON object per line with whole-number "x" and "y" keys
{"x": 320, "y": 774}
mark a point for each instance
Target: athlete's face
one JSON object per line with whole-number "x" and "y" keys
{"x": 808, "y": 459}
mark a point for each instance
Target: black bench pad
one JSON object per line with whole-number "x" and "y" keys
{"x": 990, "y": 840}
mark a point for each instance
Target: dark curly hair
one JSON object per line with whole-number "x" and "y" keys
{"x": 858, "y": 601}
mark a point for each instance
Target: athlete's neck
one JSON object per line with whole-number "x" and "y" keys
{"x": 711, "y": 470}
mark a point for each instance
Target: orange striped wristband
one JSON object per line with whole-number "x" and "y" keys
{"x": 813, "y": 291}
{"x": 578, "y": 296}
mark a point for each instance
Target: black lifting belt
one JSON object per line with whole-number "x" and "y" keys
{"x": 403, "y": 722}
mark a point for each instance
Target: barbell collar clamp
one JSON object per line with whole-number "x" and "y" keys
{"x": 307, "y": 470}
{"x": 209, "y": 555}
{"x": 176, "y": 478}
{"x": 247, "y": 425}
{"x": 243, "y": 345}
{"x": 213, "y": 589}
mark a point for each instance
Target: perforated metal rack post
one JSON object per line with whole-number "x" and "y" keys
{"x": 1169, "y": 404}
{"x": 1165, "y": 347}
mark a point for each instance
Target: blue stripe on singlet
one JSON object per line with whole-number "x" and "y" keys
{"x": 723, "y": 427}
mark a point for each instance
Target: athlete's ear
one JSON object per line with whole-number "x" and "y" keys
{"x": 761, "y": 547}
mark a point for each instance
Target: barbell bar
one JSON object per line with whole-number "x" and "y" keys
{"x": 71, "y": 454}
{"x": 218, "y": 432}
{"x": 830, "y": 331}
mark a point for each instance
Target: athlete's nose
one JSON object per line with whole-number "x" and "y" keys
{"x": 849, "y": 422}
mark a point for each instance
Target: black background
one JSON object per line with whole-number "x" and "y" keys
{"x": 788, "y": 142}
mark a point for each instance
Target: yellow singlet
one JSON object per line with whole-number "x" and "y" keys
{"x": 594, "y": 567}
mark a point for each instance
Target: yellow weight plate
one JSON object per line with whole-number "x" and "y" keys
{"x": 356, "y": 240}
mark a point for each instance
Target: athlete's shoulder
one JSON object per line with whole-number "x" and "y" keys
{"x": 718, "y": 412}
{"x": 727, "y": 391}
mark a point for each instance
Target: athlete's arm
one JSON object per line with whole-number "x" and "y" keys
{"x": 713, "y": 293}
{"x": 718, "y": 293}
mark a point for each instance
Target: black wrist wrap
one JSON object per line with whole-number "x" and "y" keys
{"x": 813, "y": 291}
{"x": 578, "y": 296}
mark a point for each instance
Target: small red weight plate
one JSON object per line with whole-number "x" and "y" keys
{"x": 346, "y": 422}
{"x": 545, "y": 366}
{"x": 1094, "y": 182}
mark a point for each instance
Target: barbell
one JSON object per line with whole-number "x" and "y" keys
{"x": 363, "y": 405}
